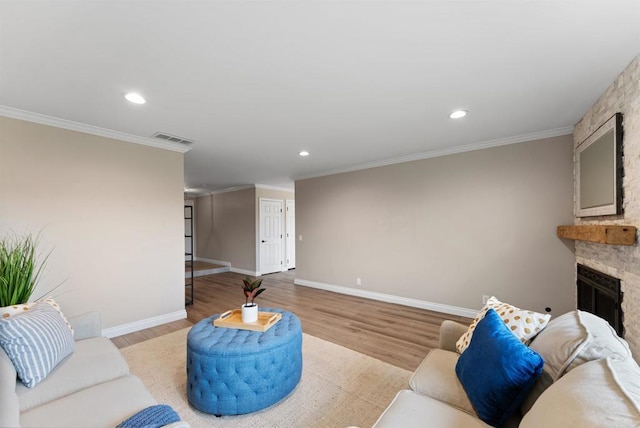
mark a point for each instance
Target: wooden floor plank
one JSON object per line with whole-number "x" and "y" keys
{"x": 396, "y": 334}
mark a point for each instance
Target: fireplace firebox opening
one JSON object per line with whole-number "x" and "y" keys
{"x": 600, "y": 294}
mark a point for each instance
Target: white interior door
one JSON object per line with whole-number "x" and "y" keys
{"x": 271, "y": 247}
{"x": 290, "y": 235}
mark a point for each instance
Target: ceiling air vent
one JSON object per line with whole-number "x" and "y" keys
{"x": 172, "y": 138}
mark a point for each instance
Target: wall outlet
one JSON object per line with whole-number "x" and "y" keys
{"x": 485, "y": 299}
{"x": 299, "y": 237}
{"x": 358, "y": 281}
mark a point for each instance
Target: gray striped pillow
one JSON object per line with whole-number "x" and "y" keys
{"x": 36, "y": 341}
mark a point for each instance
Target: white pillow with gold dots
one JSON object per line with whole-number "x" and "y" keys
{"x": 13, "y": 310}
{"x": 524, "y": 324}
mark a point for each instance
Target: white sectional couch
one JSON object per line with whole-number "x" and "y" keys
{"x": 589, "y": 379}
{"x": 90, "y": 388}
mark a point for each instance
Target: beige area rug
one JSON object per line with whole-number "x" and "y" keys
{"x": 339, "y": 387}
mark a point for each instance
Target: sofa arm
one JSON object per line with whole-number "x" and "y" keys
{"x": 450, "y": 332}
{"x": 9, "y": 404}
{"x": 86, "y": 325}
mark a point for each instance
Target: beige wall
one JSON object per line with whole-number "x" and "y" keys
{"x": 446, "y": 230}
{"x": 111, "y": 211}
{"x": 616, "y": 260}
{"x": 226, "y": 228}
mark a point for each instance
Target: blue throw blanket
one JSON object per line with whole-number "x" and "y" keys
{"x": 151, "y": 417}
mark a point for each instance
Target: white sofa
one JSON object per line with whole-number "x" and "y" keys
{"x": 90, "y": 388}
{"x": 589, "y": 379}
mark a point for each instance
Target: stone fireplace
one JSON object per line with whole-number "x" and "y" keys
{"x": 618, "y": 261}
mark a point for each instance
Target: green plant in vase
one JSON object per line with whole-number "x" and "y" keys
{"x": 251, "y": 289}
{"x": 19, "y": 269}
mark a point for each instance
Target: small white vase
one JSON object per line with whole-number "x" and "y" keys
{"x": 250, "y": 313}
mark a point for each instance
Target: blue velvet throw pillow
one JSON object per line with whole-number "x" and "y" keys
{"x": 497, "y": 371}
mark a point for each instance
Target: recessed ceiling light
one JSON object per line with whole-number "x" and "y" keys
{"x": 135, "y": 98}
{"x": 458, "y": 114}
{"x": 304, "y": 153}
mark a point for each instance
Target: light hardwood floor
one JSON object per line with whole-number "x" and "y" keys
{"x": 396, "y": 334}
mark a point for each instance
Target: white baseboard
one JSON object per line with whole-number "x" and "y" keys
{"x": 389, "y": 298}
{"x": 245, "y": 272}
{"x": 197, "y": 273}
{"x": 234, "y": 270}
{"x": 142, "y": 324}
{"x": 212, "y": 261}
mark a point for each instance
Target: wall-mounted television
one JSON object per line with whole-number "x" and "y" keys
{"x": 599, "y": 171}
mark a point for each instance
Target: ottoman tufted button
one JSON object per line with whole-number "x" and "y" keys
{"x": 231, "y": 371}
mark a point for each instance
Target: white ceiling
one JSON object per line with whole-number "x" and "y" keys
{"x": 356, "y": 83}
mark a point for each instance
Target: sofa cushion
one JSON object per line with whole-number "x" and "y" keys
{"x": 450, "y": 332}
{"x": 86, "y": 325}
{"x": 436, "y": 377}
{"x": 575, "y": 338}
{"x": 522, "y": 323}
{"x": 570, "y": 340}
{"x": 103, "y": 405}
{"x": 411, "y": 410}
{"x": 36, "y": 341}
{"x": 94, "y": 361}
{"x": 497, "y": 370}
{"x": 602, "y": 393}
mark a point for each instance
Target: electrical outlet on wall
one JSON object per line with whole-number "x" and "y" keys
{"x": 358, "y": 281}
{"x": 485, "y": 299}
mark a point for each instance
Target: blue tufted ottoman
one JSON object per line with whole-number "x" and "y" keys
{"x": 231, "y": 371}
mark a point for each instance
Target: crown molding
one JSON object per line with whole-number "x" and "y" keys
{"x": 238, "y": 188}
{"x": 557, "y": 132}
{"x": 88, "y": 129}
{"x": 227, "y": 190}
{"x": 232, "y": 189}
{"x": 269, "y": 187}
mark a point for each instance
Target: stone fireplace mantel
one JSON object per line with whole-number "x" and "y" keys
{"x": 601, "y": 233}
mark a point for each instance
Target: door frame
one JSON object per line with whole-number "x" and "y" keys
{"x": 283, "y": 266}
{"x": 287, "y": 250}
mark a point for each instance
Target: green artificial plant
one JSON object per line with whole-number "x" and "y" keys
{"x": 19, "y": 269}
{"x": 251, "y": 289}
